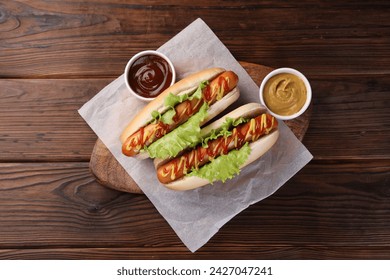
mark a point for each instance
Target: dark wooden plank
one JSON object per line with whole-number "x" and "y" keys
{"x": 59, "y": 205}
{"x": 272, "y": 252}
{"x": 350, "y": 118}
{"x": 336, "y": 207}
{"x": 39, "y": 119}
{"x": 96, "y": 38}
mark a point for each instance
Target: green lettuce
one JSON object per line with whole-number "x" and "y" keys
{"x": 224, "y": 130}
{"x": 186, "y": 135}
{"x": 165, "y": 118}
{"x": 172, "y": 100}
{"x": 223, "y": 167}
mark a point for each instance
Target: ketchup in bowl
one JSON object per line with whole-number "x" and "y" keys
{"x": 148, "y": 74}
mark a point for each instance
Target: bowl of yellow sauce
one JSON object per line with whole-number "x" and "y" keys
{"x": 286, "y": 93}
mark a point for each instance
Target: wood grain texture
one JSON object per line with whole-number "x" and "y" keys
{"x": 56, "y": 55}
{"x": 109, "y": 172}
{"x": 39, "y": 119}
{"x": 216, "y": 253}
{"x": 59, "y": 205}
{"x": 98, "y": 37}
{"x": 350, "y": 119}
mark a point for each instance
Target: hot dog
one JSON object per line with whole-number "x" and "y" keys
{"x": 208, "y": 92}
{"x": 247, "y": 132}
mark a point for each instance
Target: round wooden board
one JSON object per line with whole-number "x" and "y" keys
{"x": 110, "y": 173}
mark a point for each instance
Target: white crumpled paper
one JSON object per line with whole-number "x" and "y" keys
{"x": 196, "y": 215}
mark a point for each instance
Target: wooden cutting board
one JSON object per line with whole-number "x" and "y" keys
{"x": 110, "y": 173}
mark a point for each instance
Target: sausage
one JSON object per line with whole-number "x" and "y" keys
{"x": 213, "y": 92}
{"x": 196, "y": 158}
{"x": 153, "y": 131}
{"x": 219, "y": 87}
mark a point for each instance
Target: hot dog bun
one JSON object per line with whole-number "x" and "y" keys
{"x": 188, "y": 85}
{"x": 258, "y": 147}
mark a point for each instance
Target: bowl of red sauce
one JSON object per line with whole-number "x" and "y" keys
{"x": 149, "y": 73}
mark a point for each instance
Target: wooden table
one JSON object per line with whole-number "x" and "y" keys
{"x": 56, "y": 55}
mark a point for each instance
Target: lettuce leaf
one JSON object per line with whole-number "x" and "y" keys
{"x": 186, "y": 135}
{"x": 172, "y": 100}
{"x": 167, "y": 116}
{"x": 223, "y": 167}
{"x": 224, "y": 130}
{"x": 230, "y": 122}
{"x": 156, "y": 115}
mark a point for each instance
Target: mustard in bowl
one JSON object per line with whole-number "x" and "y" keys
{"x": 286, "y": 93}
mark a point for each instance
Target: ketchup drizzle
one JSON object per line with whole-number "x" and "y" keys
{"x": 248, "y": 132}
{"x": 146, "y": 134}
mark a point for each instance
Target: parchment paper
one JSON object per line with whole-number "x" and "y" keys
{"x": 196, "y": 215}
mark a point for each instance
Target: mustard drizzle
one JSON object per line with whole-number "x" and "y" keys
{"x": 257, "y": 128}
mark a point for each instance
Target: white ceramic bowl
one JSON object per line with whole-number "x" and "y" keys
{"x": 137, "y": 56}
{"x": 299, "y": 75}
